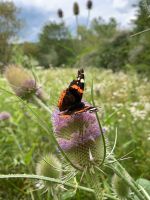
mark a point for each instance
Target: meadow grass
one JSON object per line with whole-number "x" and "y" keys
{"x": 123, "y": 101}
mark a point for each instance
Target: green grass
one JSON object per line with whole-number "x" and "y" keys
{"x": 124, "y": 104}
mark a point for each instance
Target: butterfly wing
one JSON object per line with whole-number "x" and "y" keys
{"x": 76, "y": 87}
{"x": 73, "y": 94}
{"x": 66, "y": 100}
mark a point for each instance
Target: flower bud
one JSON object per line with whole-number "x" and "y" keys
{"x": 51, "y": 167}
{"x": 120, "y": 187}
{"x": 22, "y": 83}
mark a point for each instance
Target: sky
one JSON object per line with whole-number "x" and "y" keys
{"x": 38, "y": 12}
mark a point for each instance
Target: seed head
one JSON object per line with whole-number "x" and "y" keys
{"x": 60, "y": 13}
{"x": 89, "y": 5}
{"x": 22, "y": 83}
{"x": 76, "y": 8}
{"x": 120, "y": 187}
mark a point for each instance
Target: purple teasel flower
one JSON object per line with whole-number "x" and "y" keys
{"x": 79, "y": 136}
{"x": 4, "y": 116}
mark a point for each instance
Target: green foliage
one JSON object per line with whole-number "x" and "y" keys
{"x": 23, "y": 142}
{"x": 103, "y": 29}
{"x": 142, "y": 21}
{"x": 9, "y": 26}
{"x": 55, "y": 45}
{"x": 114, "y": 54}
{"x": 145, "y": 184}
{"x": 19, "y": 57}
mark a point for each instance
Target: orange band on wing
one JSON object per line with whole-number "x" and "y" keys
{"x": 61, "y": 98}
{"x": 77, "y": 88}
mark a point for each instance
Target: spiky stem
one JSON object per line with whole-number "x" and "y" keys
{"x": 77, "y": 25}
{"x": 42, "y": 105}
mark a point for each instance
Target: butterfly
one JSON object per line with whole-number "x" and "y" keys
{"x": 70, "y": 101}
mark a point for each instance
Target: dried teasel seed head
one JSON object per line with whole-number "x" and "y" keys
{"x": 76, "y": 8}
{"x": 89, "y": 5}
{"x": 60, "y": 13}
{"x": 23, "y": 83}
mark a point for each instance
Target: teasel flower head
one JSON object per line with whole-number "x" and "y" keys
{"x": 51, "y": 167}
{"x": 120, "y": 187}
{"x": 4, "y": 116}
{"x": 79, "y": 137}
{"x": 23, "y": 84}
{"x": 89, "y": 4}
{"x": 76, "y": 9}
{"x": 60, "y": 13}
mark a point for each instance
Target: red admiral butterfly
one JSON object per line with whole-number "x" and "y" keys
{"x": 70, "y": 99}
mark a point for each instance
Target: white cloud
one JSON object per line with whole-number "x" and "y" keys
{"x": 120, "y": 3}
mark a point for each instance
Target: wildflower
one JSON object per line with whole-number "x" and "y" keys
{"x": 80, "y": 137}
{"x": 22, "y": 83}
{"x": 4, "y": 116}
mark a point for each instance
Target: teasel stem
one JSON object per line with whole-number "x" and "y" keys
{"x": 44, "y": 178}
{"x": 58, "y": 181}
{"x": 42, "y": 105}
{"x": 88, "y": 19}
{"x": 77, "y": 25}
{"x": 122, "y": 173}
{"x": 100, "y": 127}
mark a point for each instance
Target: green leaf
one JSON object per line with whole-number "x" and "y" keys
{"x": 69, "y": 194}
{"x": 145, "y": 184}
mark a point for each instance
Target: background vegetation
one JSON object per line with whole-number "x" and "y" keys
{"x": 99, "y": 43}
{"x": 119, "y": 66}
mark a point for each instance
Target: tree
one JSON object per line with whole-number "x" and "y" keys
{"x": 103, "y": 29}
{"x": 55, "y": 45}
{"x": 140, "y": 54}
{"x": 142, "y": 21}
{"x": 9, "y": 26}
{"x": 114, "y": 54}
